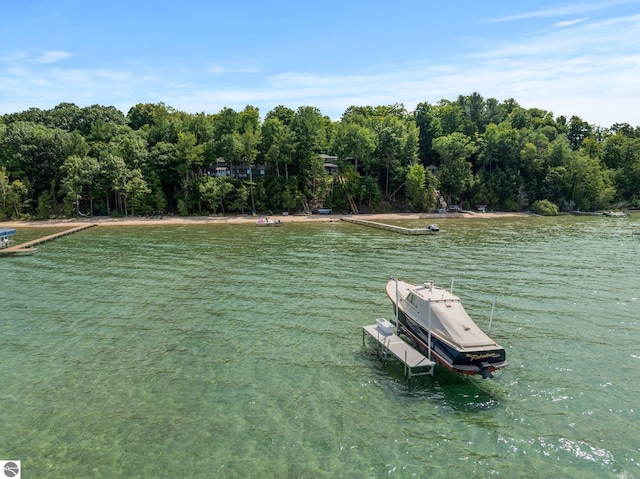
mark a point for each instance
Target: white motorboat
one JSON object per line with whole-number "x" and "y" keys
{"x": 436, "y": 321}
{"x": 265, "y": 221}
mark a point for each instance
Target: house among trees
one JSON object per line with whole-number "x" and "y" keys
{"x": 330, "y": 163}
{"x": 241, "y": 170}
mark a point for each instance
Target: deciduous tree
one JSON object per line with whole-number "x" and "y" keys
{"x": 455, "y": 169}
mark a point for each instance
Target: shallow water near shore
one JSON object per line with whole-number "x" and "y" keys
{"x": 235, "y": 351}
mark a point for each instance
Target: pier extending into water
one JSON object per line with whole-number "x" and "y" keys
{"x": 393, "y": 228}
{"x": 415, "y": 363}
{"x": 28, "y": 247}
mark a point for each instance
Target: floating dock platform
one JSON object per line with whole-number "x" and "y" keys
{"x": 393, "y": 228}
{"x": 28, "y": 247}
{"x": 415, "y": 363}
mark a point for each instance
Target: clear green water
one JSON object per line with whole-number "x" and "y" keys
{"x": 233, "y": 351}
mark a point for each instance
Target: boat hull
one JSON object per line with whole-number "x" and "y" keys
{"x": 484, "y": 362}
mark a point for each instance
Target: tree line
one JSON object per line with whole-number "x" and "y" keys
{"x": 71, "y": 160}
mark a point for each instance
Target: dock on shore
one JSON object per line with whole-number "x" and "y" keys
{"x": 29, "y": 247}
{"x": 415, "y": 363}
{"x": 393, "y": 228}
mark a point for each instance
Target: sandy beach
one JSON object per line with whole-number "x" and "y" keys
{"x": 241, "y": 219}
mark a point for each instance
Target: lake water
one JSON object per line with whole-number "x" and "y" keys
{"x": 233, "y": 351}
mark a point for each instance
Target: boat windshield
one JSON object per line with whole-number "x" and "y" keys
{"x": 414, "y": 300}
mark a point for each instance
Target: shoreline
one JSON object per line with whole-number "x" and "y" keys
{"x": 244, "y": 219}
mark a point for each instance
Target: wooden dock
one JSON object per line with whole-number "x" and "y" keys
{"x": 28, "y": 247}
{"x": 393, "y": 228}
{"x": 408, "y": 356}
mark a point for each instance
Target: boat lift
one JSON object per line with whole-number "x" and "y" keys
{"x": 6, "y": 237}
{"x": 387, "y": 336}
{"x": 411, "y": 358}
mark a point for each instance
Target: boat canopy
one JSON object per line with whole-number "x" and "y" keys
{"x": 451, "y": 320}
{"x": 6, "y": 232}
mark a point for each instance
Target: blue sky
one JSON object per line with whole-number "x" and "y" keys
{"x": 571, "y": 58}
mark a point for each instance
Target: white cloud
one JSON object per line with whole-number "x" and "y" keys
{"x": 51, "y": 56}
{"x": 569, "y": 23}
{"x": 45, "y": 88}
{"x": 617, "y": 20}
{"x": 571, "y": 9}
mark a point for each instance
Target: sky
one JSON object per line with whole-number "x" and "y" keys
{"x": 570, "y": 58}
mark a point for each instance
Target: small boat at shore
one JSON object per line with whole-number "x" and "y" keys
{"x": 436, "y": 321}
{"x": 616, "y": 214}
{"x": 265, "y": 221}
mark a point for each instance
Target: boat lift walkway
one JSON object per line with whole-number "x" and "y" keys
{"x": 408, "y": 356}
{"x": 394, "y": 228}
{"x": 28, "y": 247}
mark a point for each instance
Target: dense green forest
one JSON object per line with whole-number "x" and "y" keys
{"x": 96, "y": 160}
